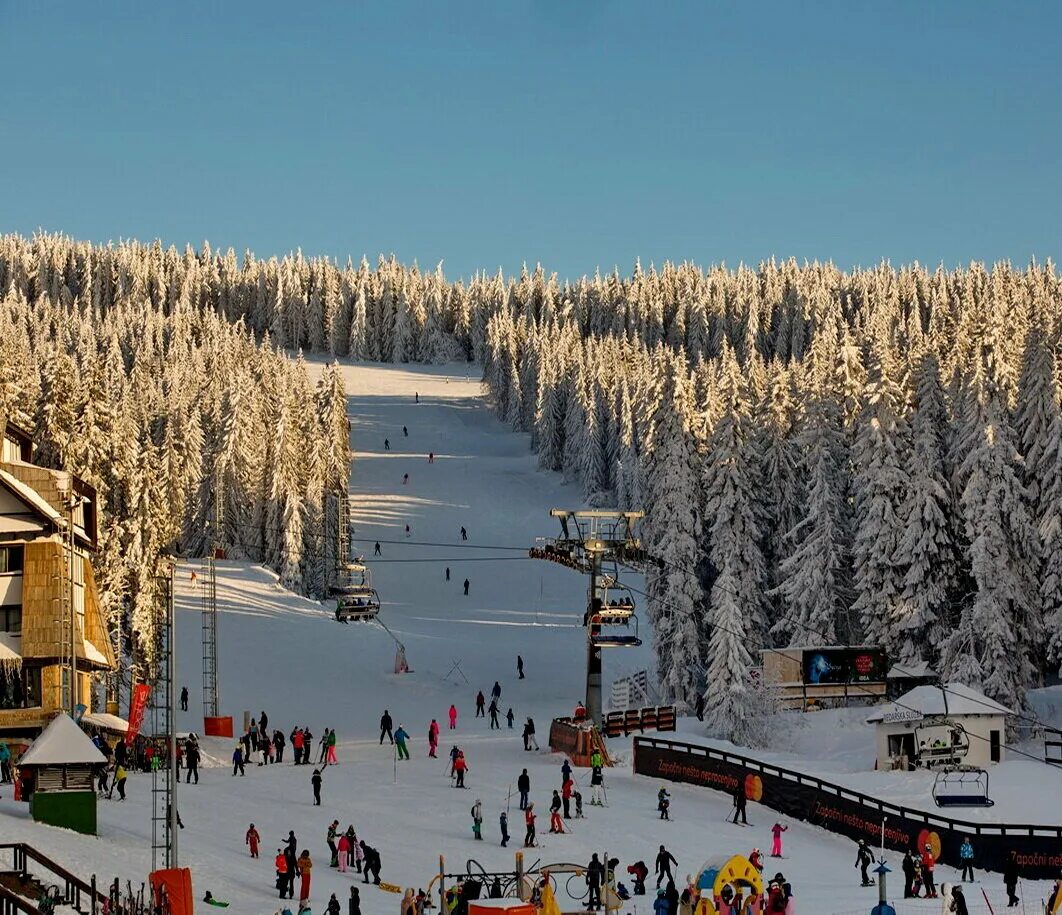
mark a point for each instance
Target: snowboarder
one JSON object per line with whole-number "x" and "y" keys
{"x": 315, "y": 781}
{"x": 494, "y": 724}
{"x": 595, "y": 875}
{"x": 376, "y": 550}
{"x": 400, "y": 742}
{"x": 1010, "y": 881}
{"x": 529, "y": 822}
{"x": 433, "y": 738}
{"x": 664, "y": 860}
{"x": 639, "y": 872}
{"x": 523, "y": 785}
{"x": 184, "y": 698}
{"x": 237, "y": 760}
{"x": 385, "y": 727}
{"x": 480, "y": 703}
{"x": 333, "y": 849}
{"x": 464, "y": 534}
{"x": 477, "y": 820}
{"x": 503, "y": 822}
{"x": 305, "y": 864}
{"x": 387, "y": 444}
{"x": 739, "y": 803}
{"x": 966, "y": 856}
{"x": 252, "y": 838}
{"x": 863, "y": 860}
{"x": 776, "y": 839}
{"x": 509, "y": 718}
{"x": 453, "y": 717}
{"x": 566, "y": 796}
{"x": 597, "y": 787}
{"x": 466, "y": 587}
{"x": 555, "y": 824}
{"x": 460, "y": 767}
{"x": 663, "y": 803}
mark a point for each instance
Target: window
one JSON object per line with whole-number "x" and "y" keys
{"x": 10, "y": 559}
{"x": 11, "y": 619}
{"x": 20, "y": 688}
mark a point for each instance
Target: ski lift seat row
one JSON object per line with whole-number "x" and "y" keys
{"x": 962, "y": 786}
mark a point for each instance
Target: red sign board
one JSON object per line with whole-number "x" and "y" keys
{"x": 137, "y": 707}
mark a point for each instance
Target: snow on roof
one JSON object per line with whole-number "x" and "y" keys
{"x": 916, "y": 670}
{"x": 30, "y": 496}
{"x": 10, "y": 650}
{"x": 92, "y": 653}
{"x": 107, "y": 722}
{"x": 930, "y": 700}
{"x": 62, "y": 743}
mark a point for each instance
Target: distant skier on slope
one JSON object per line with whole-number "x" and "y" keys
{"x": 433, "y": 738}
{"x": 464, "y": 534}
{"x": 453, "y": 717}
{"x": 385, "y": 727}
{"x": 494, "y": 724}
{"x": 480, "y": 703}
{"x": 466, "y": 587}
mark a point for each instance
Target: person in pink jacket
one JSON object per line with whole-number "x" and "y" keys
{"x": 453, "y": 717}
{"x": 344, "y": 852}
{"x": 776, "y": 844}
{"x": 433, "y": 738}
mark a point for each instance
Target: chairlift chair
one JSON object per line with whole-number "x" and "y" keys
{"x": 941, "y": 742}
{"x": 962, "y": 786}
{"x": 603, "y": 628}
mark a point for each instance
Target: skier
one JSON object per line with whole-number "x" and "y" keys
{"x": 191, "y": 760}
{"x": 739, "y": 803}
{"x": 663, "y": 803}
{"x": 639, "y": 872}
{"x": 966, "y": 856}
{"x": 315, "y": 780}
{"x": 566, "y": 770}
{"x": 909, "y": 872}
{"x": 376, "y": 550}
{"x": 453, "y": 717}
{"x": 523, "y": 785}
{"x": 433, "y": 738}
{"x": 928, "y": 863}
{"x": 322, "y": 755}
{"x": 305, "y": 864}
{"x": 455, "y": 751}
{"x": 595, "y": 875}
{"x": 503, "y": 822}
{"x": 566, "y": 796}
{"x": 280, "y": 862}
{"x": 405, "y": 432}
{"x": 460, "y": 767}
{"x": 1010, "y": 881}
{"x": 597, "y": 787}
{"x": 431, "y": 457}
{"x": 863, "y": 860}
{"x": 529, "y": 822}
{"x": 331, "y": 758}
{"x": 292, "y": 860}
{"x": 447, "y": 573}
{"x": 477, "y": 820}
{"x": 354, "y": 849}
{"x": 494, "y": 725}
{"x": 466, "y": 587}
{"x": 520, "y": 667}
{"x": 385, "y": 727}
{"x": 333, "y": 849}
{"x": 344, "y": 852}
{"x": 756, "y": 859}
{"x": 664, "y": 860}
{"x": 578, "y": 804}
{"x": 509, "y": 718}
{"x": 532, "y": 744}
{"x": 480, "y": 703}
{"x": 387, "y": 444}
{"x": 400, "y": 742}
{"x": 555, "y": 824}
{"x": 237, "y": 760}
{"x": 776, "y": 841}
{"x": 408, "y": 531}
{"x": 464, "y": 534}
{"x": 252, "y": 838}
{"x": 496, "y": 690}
{"x": 184, "y": 698}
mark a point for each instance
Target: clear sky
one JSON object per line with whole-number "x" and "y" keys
{"x": 577, "y": 134}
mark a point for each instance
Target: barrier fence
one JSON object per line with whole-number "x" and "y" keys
{"x": 1036, "y": 849}
{"x": 653, "y": 718}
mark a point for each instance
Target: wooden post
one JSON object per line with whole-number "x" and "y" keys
{"x": 442, "y": 885}
{"x": 521, "y": 891}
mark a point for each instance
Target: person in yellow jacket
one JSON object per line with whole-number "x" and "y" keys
{"x": 119, "y": 782}
{"x": 304, "y": 864}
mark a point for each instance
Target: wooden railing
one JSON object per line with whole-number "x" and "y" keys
{"x": 72, "y": 887}
{"x": 12, "y": 904}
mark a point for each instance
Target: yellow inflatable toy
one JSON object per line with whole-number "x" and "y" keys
{"x": 730, "y": 887}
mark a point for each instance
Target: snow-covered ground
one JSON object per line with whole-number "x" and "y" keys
{"x": 286, "y": 655}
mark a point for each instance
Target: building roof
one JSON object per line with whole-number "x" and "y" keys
{"x": 106, "y": 722}
{"x": 62, "y": 743}
{"x": 930, "y": 700}
{"x": 916, "y": 670}
{"x": 31, "y": 497}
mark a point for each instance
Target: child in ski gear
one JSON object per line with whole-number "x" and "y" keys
{"x": 344, "y": 853}
{"x": 776, "y": 841}
{"x": 756, "y": 860}
{"x": 453, "y": 717}
{"x": 252, "y": 839}
{"x": 529, "y": 822}
{"x": 315, "y": 781}
{"x": 333, "y": 906}
{"x": 237, "y": 760}
{"x": 863, "y": 860}
{"x": 555, "y": 824}
{"x": 663, "y": 803}
{"x": 503, "y": 821}
{"x": 400, "y": 742}
{"x": 477, "y": 820}
{"x": 966, "y": 856}
{"x": 639, "y": 872}
{"x": 509, "y": 716}
{"x": 578, "y": 805}
{"x": 385, "y": 727}
{"x": 523, "y": 785}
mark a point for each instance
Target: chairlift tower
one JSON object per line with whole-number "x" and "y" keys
{"x": 209, "y": 606}
{"x": 164, "y": 811}
{"x": 596, "y": 542}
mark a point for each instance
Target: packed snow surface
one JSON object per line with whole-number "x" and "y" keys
{"x": 286, "y": 655}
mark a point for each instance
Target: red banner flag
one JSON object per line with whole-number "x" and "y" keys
{"x": 137, "y": 707}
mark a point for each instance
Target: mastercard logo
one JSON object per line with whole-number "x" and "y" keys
{"x": 753, "y": 788}
{"x": 930, "y": 840}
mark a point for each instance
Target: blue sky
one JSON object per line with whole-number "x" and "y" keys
{"x": 577, "y": 134}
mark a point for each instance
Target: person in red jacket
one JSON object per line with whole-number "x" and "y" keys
{"x": 252, "y": 839}
{"x": 928, "y": 863}
{"x": 453, "y": 717}
{"x": 433, "y": 738}
{"x": 460, "y": 767}
{"x": 529, "y": 822}
{"x": 297, "y": 743}
{"x": 281, "y": 864}
{"x": 566, "y": 795}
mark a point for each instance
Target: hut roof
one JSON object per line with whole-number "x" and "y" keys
{"x": 62, "y": 743}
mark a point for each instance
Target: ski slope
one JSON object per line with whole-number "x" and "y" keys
{"x": 286, "y": 654}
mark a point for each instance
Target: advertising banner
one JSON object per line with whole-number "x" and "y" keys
{"x": 1037, "y": 849}
{"x": 843, "y": 665}
{"x": 137, "y": 707}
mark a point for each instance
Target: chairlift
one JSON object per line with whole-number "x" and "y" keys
{"x": 603, "y": 632}
{"x": 356, "y": 599}
{"x": 941, "y": 742}
{"x": 962, "y": 786}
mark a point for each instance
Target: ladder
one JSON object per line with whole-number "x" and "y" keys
{"x": 163, "y": 795}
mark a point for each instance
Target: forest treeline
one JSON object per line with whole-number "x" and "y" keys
{"x": 823, "y": 456}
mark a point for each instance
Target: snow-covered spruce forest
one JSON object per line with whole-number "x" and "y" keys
{"x": 823, "y": 456}
{"x": 176, "y": 416}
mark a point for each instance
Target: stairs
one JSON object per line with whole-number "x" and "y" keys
{"x": 23, "y": 892}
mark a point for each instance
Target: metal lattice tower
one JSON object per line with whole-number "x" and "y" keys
{"x": 164, "y": 719}
{"x": 590, "y": 539}
{"x": 209, "y": 603}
